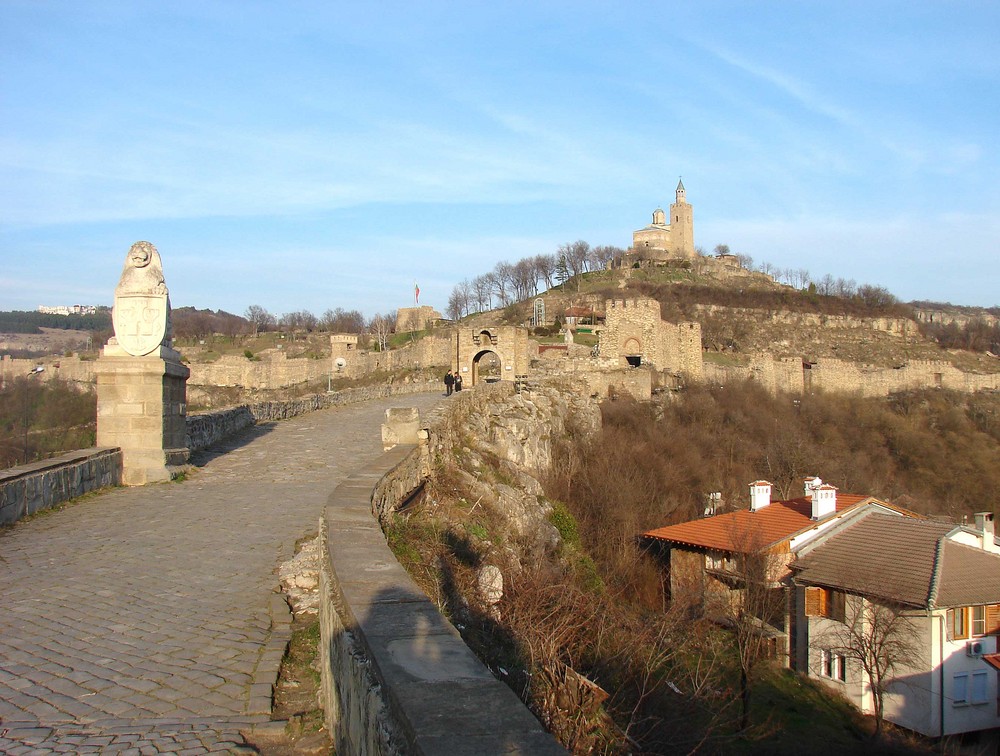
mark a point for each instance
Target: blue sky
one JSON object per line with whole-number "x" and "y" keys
{"x": 311, "y": 155}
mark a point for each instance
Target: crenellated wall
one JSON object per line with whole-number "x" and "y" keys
{"x": 635, "y": 327}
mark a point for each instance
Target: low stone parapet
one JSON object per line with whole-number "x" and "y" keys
{"x": 397, "y": 677}
{"x": 209, "y": 428}
{"x": 31, "y": 488}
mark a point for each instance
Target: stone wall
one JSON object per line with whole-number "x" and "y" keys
{"x": 839, "y": 376}
{"x": 896, "y": 326}
{"x": 31, "y": 488}
{"x": 594, "y": 381}
{"x": 508, "y": 343}
{"x": 848, "y": 377}
{"x": 416, "y": 318}
{"x": 71, "y": 369}
{"x": 273, "y": 371}
{"x": 434, "y": 350}
{"x": 944, "y": 317}
{"x": 396, "y": 676}
{"x": 209, "y": 428}
{"x": 633, "y": 327}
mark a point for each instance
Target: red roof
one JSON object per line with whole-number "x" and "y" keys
{"x": 578, "y": 312}
{"x": 744, "y": 530}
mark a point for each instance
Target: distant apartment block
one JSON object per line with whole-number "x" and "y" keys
{"x": 68, "y": 310}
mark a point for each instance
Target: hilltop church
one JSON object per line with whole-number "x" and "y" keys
{"x": 664, "y": 240}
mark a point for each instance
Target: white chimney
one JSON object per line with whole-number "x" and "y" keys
{"x": 824, "y": 501}
{"x": 987, "y": 531}
{"x": 760, "y": 495}
{"x": 811, "y": 484}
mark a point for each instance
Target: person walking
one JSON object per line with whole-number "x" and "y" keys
{"x": 458, "y": 382}
{"x": 449, "y": 381}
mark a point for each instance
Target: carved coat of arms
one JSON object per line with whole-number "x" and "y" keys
{"x": 141, "y": 315}
{"x": 140, "y": 322}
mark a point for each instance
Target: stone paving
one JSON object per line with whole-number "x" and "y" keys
{"x": 145, "y": 620}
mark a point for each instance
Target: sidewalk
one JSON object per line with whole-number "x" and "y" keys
{"x": 144, "y": 620}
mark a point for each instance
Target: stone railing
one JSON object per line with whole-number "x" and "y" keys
{"x": 209, "y": 428}
{"x": 31, "y": 488}
{"x": 397, "y": 677}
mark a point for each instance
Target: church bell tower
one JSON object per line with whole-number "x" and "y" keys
{"x": 682, "y": 224}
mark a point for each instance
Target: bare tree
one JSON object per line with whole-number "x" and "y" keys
{"x": 525, "y": 279}
{"x": 301, "y": 320}
{"x": 481, "y": 293}
{"x": 879, "y": 635}
{"x": 845, "y": 287}
{"x": 603, "y": 256}
{"x": 503, "y": 282}
{"x": 826, "y": 285}
{"x": 458, "y": 303}
{"x": 380, "y": 327}
{"x": 768, "y": 269}
{"x": 546, "y": 267}
{"x": 343, "y": 321}
{"x": 260, "y": 319}
{"x": 577, "y": 256}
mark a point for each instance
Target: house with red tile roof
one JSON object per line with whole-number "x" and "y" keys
{"x": 702, "y": 556}
{"x": 940, "y": 584}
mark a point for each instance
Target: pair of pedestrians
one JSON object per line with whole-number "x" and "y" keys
{"x": 452, "y": 382}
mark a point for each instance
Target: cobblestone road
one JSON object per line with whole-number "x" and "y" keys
{"x": 144, "y": 620}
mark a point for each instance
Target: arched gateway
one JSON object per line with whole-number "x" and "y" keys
{"x": 495, "y": 353}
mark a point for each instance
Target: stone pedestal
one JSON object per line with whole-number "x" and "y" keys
{"x": 141, "y": 407}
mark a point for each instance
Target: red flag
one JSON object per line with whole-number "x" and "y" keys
{"x": 416, "y": 293}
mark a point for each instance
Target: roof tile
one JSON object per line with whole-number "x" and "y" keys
{"x": 744, "y": 530}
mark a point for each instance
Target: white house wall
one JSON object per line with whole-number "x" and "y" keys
{"x": 914, "y": 698}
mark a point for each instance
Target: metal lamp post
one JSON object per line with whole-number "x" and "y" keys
{"x": 34, "y": 371}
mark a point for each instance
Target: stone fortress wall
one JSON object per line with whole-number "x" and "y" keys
{"x": 897, "y": 326}
{"x": 927, "y": 315}
{"x": 634, "y": 328}
{"x": 792, "y": 375}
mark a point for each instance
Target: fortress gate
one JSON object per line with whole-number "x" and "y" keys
{"x": 491, "y": 353}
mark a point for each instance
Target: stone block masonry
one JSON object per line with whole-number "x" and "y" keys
{"x": 633, "y": 328}
{"x": 38, "y": 486}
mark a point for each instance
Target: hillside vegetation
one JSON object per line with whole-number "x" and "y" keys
{"x": 40, "y": 419}
{"x": 581, "y": 600}
{"x": 652, "y": 464}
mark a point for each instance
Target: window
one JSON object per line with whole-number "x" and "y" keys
{"x": 979, "y": 688}
{"x": 970, "y": 688}
{"x": 973, "y": 621}
{"x": 833, "y": 665}
{"x": 979, "y": 620}
{"x": 957, "y": 623}
{"x": 826, "y": 602}
{"x": 960, "y": 690}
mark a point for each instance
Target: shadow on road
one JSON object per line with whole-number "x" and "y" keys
{"x": 241, "y": 439}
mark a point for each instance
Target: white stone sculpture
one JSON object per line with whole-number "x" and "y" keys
{"x": 141, "y": 315}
